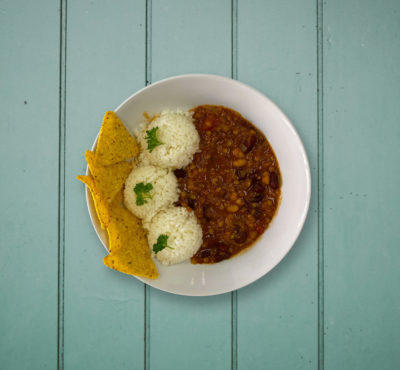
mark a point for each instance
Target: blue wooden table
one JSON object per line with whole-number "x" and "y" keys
{"x": 332, "y": 66}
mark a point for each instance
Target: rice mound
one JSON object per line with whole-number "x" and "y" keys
{"x": 179, "y": 137}
{"x": 164, "y": 192}
{"x": 184, "y": 234}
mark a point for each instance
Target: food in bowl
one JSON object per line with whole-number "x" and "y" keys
{"x": 169, "y": 140}
{"x": 232, "y": 184}
{"x": 181, "y": 233}
{"x": 148, "y": 189}
{"x": 204, "y": 187}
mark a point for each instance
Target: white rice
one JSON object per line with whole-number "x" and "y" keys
{"x": 164, "y": 192}
{"x": 184, "y": 235}
{"x": 179, "y": 137}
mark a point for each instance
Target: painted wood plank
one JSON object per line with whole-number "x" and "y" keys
{"x": 278, "y": 315}
{"x": 29, "y": 80}
{"x": 183, "y": 42}
{"x": 362, "y": 178}
{"x": 191, "y": 37}
{"x": 104, "y": 309}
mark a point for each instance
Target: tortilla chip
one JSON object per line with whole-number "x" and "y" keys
{"x": 128, "y": 246}
{"x": 115, "y": 143}
{"x": 116, "y": 215}
{"x": 109, "y": 180}
{"x": 109, "y": 166}
{"x": 99, "y": 203}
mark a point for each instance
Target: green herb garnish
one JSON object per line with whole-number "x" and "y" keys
{"x": 161, "y": 244}
{"x": 152, "y": 140}
{"x": 142, "y": 192}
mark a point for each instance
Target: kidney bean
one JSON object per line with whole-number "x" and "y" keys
{"x": 180, "y": 173}
{"x": 249, "y": 143}
{"x": 241, "y": 173}
{"x": 240, "y": 234}
{"x": 204, "y": 253}
{"x": 208, "y": 212}
{"x": 273, "y": 180}
{"x": 258, "y": 187}
{"x": 191, "y": 203}
{"x": 258, "y": 197}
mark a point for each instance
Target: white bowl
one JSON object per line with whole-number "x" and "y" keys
{"x": 188, "y": 91}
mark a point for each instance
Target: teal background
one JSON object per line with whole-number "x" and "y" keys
{"x": 332, "y": 66}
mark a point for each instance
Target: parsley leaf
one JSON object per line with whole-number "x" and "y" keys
{"x": 142, "y": 192}
{"x": 152, "y": 140}
{"x": 161, "y": 244}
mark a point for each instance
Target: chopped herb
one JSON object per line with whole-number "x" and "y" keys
{"x": 152, "y": 140}
{"x": 161, "y": 244}
{"x": 142, "y": 192}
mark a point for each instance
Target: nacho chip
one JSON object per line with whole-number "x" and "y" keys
{"x": 128, "y": 246}
{"x": 115, "y": 143}
{"x": 109, "y": 180}
{"x": 109, "y": 166}
{"x": 116, "y": 215}
{"x": 99, "y": 203}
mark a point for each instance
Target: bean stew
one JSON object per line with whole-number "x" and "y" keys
{"x": 233, "y": 184}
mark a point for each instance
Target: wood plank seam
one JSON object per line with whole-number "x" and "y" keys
{"x": 148, "y": 57}
{"x": 146, "y": 327}
{"x": 148, "y": 41}
{"x": 61, "y": 184}
{"x": 234, "y": 75}
{"x": 320, "y": 114}
{"x": 234, "y": 39}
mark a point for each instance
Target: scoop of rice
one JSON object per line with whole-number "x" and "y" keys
{"x": 179, "y": 137}
{"x": 184, "y": 235}
{"x": 163, "y": 194}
